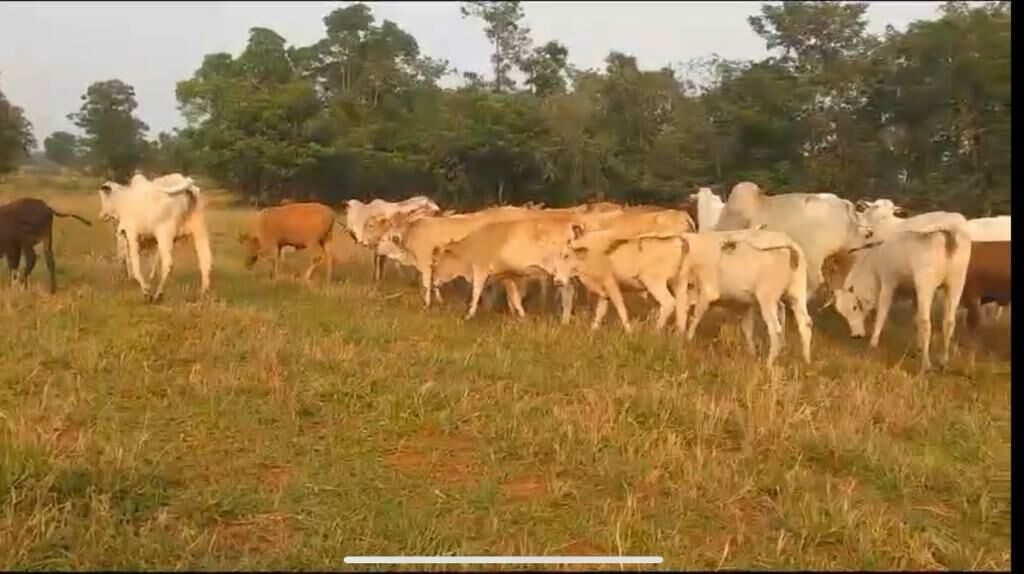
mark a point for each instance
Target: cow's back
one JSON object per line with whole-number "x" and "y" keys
{"x": 295, "y": 223}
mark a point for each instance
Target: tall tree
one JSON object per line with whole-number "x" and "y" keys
{"x": 62, "y": 148}
{"x": 16, "y": 138}
{"x": 507, "y": 33}
{"x": 546, "y": 68}
{"x": 114, "y": 136}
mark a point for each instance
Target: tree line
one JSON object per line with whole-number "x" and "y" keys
{"x": 921, "y": 116}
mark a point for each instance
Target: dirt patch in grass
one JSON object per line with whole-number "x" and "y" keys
{"x": 264, "y": 533}
{"x": 528, "y": 487}
{"x": 446, "y": 458}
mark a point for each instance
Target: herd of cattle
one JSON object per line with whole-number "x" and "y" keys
{"x": 754, "y": 252}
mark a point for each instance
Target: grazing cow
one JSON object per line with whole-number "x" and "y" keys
{"x": 821, "y": 224}
{"x": 923, "y": 258}
{"x": 709, "y": 208}
{"x": 24, "y": 223}
{"x": 504, "y": 250}
{"x": 746, "y": 268}
{"x": 988, "y": 278}
{"x": 298, "y": 225}
{"x": 358, "y": 213}
{"x": 164, "y": 209}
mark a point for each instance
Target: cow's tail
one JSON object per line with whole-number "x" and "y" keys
{"x": 952, "y": 242}
{"x": 78, "y": 217}
{"x": 794, "y": 253}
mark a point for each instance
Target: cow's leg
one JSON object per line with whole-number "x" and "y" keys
{"x": 599, "y": 312}
{"x": 329, "y": 260}
{"x": 885, "y": 294}
{"x": 615, "y": 294}
{"x": 277, "y": 263}
{"x": 156, "y": 264}
{"x": 378, "y": 267}
{"x": 925, "y": 294}
{"x": 682, "y": 306}
{"x": 51, "y": 265}
{"x": 29, "y": 252}
{"x": 782, "y": 324}
{"x": 514, "y": 297}
{"x": 974, "y": 312}
{"x": 747, "y": 326}
{"x": 312, "y": 266}
{"x": 659, "y": 290}
{"x": 201, "y": 240}
{"x": 165, "y": 246}
{"x": 701, "y": 307}
{"x": 568, "y": 292}
{"x": 803, "y": 325}
{"x": 770, "y": 314}
{"x": 479, "y": 281}
{"x": 426, "y": 282}
{"x": 13, "y": 257}
{"x": 133, "y": 258}
{"x": 954, "y": 292}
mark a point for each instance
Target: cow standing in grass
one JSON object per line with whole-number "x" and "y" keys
{"x": 165, "y": 209}
{"x": 24, "y": 223}
{"x": 298, "y": 225}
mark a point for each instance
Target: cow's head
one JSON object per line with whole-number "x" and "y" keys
{"x": 852, "y": 289}
{"x": 251, "y": 249}
{"x": 447, "y": 265}
{"x": 571, "y": 255}
{"x": 106, "y": 192}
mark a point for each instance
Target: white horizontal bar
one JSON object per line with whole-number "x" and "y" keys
{"x": 503, "y": 559}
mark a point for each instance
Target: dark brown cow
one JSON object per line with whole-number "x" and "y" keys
{"x": 988, "y": 278}
{"x": 24, "y": 223}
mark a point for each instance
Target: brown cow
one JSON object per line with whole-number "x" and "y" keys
{"x": 298, "y": 225}
{"x": 988, "y": 278}
{"x": 24, "y": 223}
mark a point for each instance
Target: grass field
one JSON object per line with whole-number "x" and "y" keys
{"x": 278, "y": 426}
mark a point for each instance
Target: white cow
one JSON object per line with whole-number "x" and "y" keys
{"x": 749, "y": 268}
{"x": 821, "y": 224}
{"x": 924, "y": 258}
{"x": 709, "y": 208}
{"x": 358, "y": 213}
{"x": 164, "y": 209}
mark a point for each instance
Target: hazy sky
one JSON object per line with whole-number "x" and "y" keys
{"x": 51, "y": 51}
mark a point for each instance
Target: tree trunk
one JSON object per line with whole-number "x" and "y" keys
{"x": 501, "y": 192}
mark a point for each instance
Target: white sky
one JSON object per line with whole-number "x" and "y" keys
{"x": 51, "y": 51}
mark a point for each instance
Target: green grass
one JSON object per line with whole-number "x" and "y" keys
{"x": 280, "y": 426}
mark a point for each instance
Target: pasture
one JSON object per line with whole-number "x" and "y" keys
{"x": 280, "y": 426}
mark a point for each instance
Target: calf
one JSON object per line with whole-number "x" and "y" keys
{"x": 24, "y": 223}
{"x": 298, "y": 225}
{"x": 164, "y": 209}
{"x": 866, "y": 279}
{"x": 746, "y": 268}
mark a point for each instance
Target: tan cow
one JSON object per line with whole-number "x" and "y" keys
{"x": 503, "y": 251}
{"x": 298, "y": 225}
{"x": 413, "y": 243}
{"x": 591, "y": 261}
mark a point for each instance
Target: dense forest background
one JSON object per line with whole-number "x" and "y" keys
{"x": 920, "y": 116}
